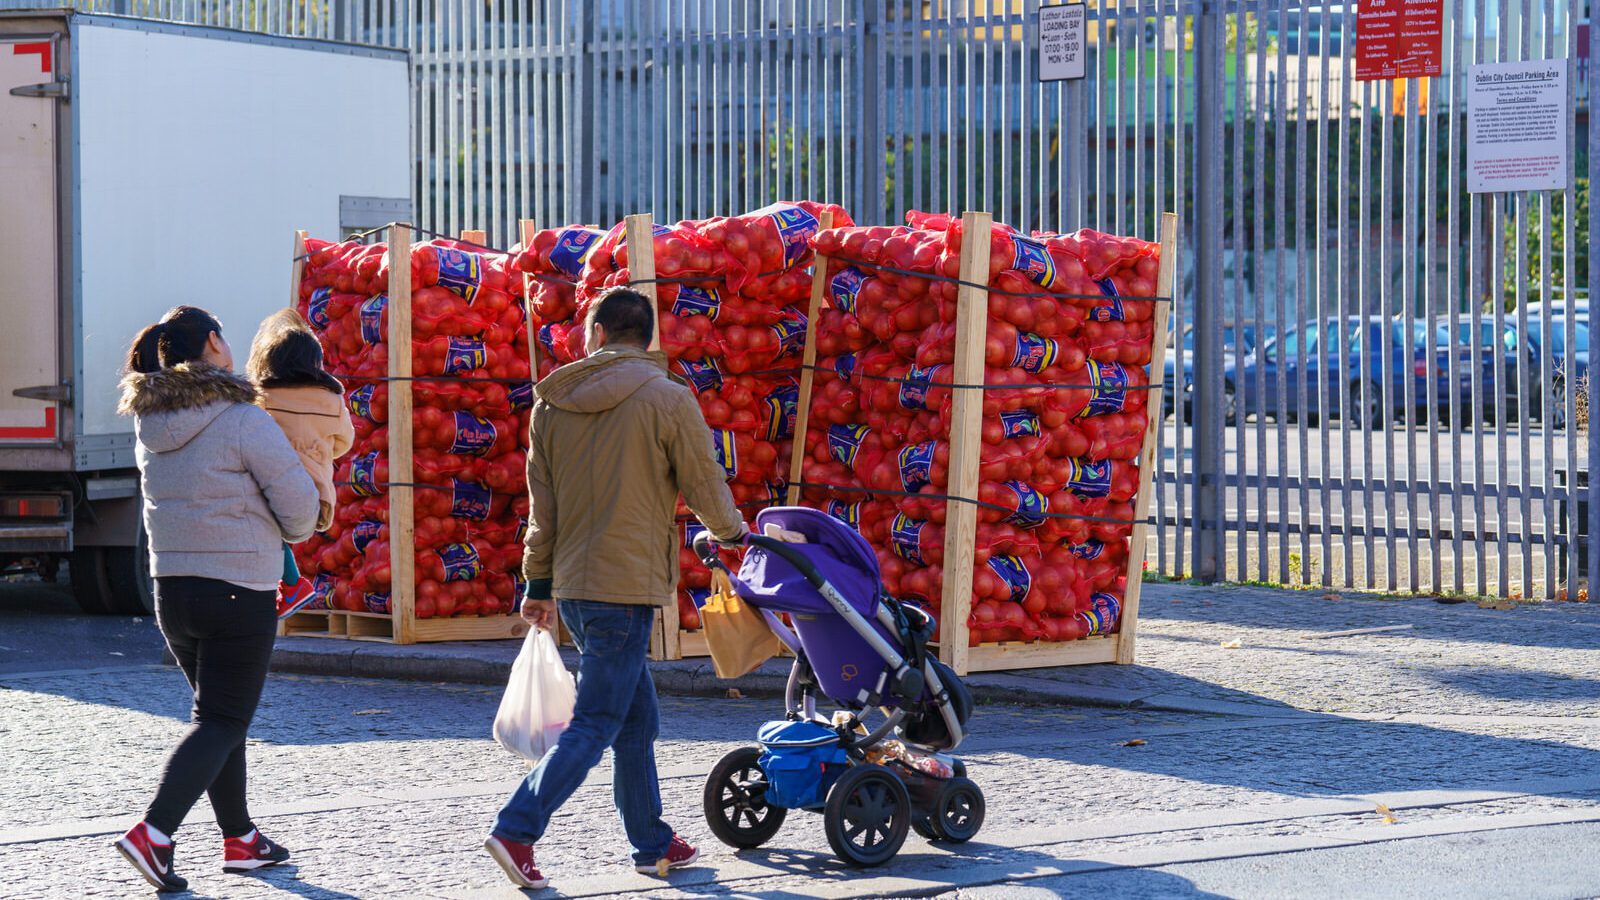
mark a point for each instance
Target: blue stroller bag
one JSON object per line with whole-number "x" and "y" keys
{"x": 801, "y": 761}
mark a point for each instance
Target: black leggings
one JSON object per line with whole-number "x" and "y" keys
{"x": 221, "y": 635}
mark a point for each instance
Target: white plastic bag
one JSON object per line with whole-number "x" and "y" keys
{"x": 539, "y": 698}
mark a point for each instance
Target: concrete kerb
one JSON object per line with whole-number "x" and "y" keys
{"x": 490, "y": 663}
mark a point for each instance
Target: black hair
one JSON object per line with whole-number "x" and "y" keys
{"x": 627, "y": 316}
{"x": 286, "y": 353}
{"x": 179, "y": 337}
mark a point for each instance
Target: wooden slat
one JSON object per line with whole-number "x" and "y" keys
{"x": 402, "y": 514}
{"x": 298, "y": 270}
{"x": 639, "y": 231}
{"x": 808, "y": 360}
{"x": 1128, "y": 629}
{"x": 526, "y": 230}
{"x": 966, "y": 424}
{"x": 471, "y": 628}
{"x": 995, "y": 657}
{"x": 474, "y": 236}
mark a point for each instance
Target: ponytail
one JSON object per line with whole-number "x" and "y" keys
{"x": 179, "y": 337}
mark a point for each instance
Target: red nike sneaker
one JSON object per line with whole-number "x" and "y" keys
{"x": 152, "y": 859}
{"x": 517, "y": 861}
{"x": 680, "y": 853}
{"x": 252, "y": 851}
{"x": 293, "y": 598}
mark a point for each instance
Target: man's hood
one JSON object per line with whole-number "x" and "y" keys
{"x": 602, "y": 380}
{"x": 171, "y": 406}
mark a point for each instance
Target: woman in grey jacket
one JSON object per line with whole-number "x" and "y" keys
{"x": 223, "y": 490}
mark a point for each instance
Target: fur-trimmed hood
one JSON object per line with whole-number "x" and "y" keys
{"x": 172, "y": 405}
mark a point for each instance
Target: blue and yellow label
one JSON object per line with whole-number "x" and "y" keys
{"x": 1108, "y": 389}
{"x": 848, "y": 513}
{"x": 699, "y": 596}
{"x": 1032, "y": 259}
{"x": 474, "y": 436}
{"x": 364, "y": 475}
{"x": 1030, "y": 507}
{"x": 1014, "y": 572}
{"x": 692, "y": 530}
{"x": 916, "y": 465}
{"x": 1112, "y": 311}
{"x": 460, "y": 271}
{"x": 522, "y": 529}
{"x": 372, "y": 319}
{"x": 914, "y": 389}
{"x": 547, "y": 337}
{"x": 321, "y": 592}
{"x": 521, "y": 396}
{"x": 464, "y": 354}
{"x": 791, "y": 332}
{"x": 727, "y": 452}
{"x": 469, "y": 500}
{"x": 795, "y": 228}
{"x": 1090, "y": 549}
{"x": 844, "y": 442}
{"x": 1103, "y": 613}
{"x": 906, "y": 535}
{"x": 360, "y": 401}
{"x": 1089, "y": 479}
{"x": 572, "y": 250}
{"x": 845, "y": 365}
{"x": 702, "y": 374}
{"x": 781, "y": 405}
{"x": 365, "y": 532}
{"x": 846, "y": 288}
{"x": 376, "y": 603}
{"x": 1034, "y": 353}
{"x": 1019, "y": 423}
{"x": 317, "y": 308}
{"x": 697, "y": 301}
{"x": 461, "y": 562}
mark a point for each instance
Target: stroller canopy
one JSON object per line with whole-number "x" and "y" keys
{"x": 840, "y": 555}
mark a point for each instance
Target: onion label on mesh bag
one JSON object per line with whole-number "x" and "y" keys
{"x": 1032, "y": 259}
{"x": 906, "y": 533}
{"x": 468, "y": 500}
{"x": 1034, "y": 353}
{"x": 522, "y": 529}
{"x": 460, "y": 271}
{"x": 916, "y": 465}
{"x": 372, "y": 319}
{"x": 914, "y": 389}
{"x": 1102, "y": 614}
{"x": 848, "y": 513}
{"x": 1031, "y": 506}
{"x": 697, "y": 301}
{"x": 699, "y": 596}
{"x": 1090, "y": 549}
{"x": 1019, "y": 423}
{"x": 360, "y": 401}
{"x": 365, "y": 532}
{"x": 519, "y": 589}
{"x": 727, "y": 452}
{"x": 321, "y": 592}
{"x": 1112, "y": 312}
{"x": 317, "y": 307}
{"x": 364, "y": 475}
{"x": 376, "y": 603}
{"x": 1089, "y": 479}
{"x": 846, "y": 288}
{"x": 844, "y": 442}
{"x": 702, "y": 374}
{"x": 1014, "y": 572}
{"x": 795, "y": 229}
{"x": 474, "y": 436}
{"x": 461, "y": 562}
{"x": 845, "y": 365}
{"x": 692, "y": 530}
{"x": 547, "y": 337}
{"x": 1109, "y": 388}
{"x": 521, "y": 397}
{"x": 781, "y": 405}
{"x": 791, "y": 332}
{"x": 462, "y": 354}
{"x": 572, "y": 249}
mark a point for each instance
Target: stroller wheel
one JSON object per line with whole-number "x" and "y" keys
{"x": 736, "y": 801}
{"x": 924, "y": 826}
{"x": 960, "y": 811}
{"x": 868, "y": 815}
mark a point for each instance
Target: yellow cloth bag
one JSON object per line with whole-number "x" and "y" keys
{"x": 736, "y": 634}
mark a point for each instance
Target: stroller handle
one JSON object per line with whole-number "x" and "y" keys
{"x": 703, "y": 547}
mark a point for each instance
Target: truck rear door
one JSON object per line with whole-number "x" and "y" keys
{"x": 29, "y": 292}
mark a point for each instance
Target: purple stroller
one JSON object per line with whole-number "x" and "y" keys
{"x": 860, "y": 649}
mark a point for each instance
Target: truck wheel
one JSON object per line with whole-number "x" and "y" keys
{"x": 89, "y": 584}
{"x": 128, "y": 573}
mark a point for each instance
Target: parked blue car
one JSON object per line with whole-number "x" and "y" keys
{"x": 1232, "y": 337}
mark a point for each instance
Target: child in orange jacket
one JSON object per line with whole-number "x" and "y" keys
{"x": 308, "y": 404}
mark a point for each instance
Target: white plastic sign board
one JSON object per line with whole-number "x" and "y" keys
{"x": 1517, "y": 126}
{"x": 1062, "y": 52}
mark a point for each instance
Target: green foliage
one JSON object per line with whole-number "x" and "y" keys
{"x": 1533, "y": 228}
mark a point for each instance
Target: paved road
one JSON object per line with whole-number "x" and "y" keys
{"x": 384, "y": 789}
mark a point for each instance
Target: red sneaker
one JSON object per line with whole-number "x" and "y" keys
{"x": 517, "y": 861}
{"x": 680, "y": 853}
{"x": 293, "y": 598}
{"x": 152, "y": 859}
{"x": 253, "y": 851}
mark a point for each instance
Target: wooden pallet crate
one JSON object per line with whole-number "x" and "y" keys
{"x": 400, "y": 625}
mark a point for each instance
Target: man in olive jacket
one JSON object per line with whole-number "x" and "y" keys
{"x": 614, "y": 441}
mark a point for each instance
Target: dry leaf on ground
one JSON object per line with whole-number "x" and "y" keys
{"x": 1136, "y": 742}
{"x": 1387, "y": 814}
{"x": 1234, "y": 644}
{"x": 735, "y": 694}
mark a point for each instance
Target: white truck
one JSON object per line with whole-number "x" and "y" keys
{"x": 145, "y": 165}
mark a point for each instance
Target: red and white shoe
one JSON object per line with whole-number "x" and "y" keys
{"x": 293, "y": 598}
{"x": 252, "y": 851}
{"x": 517, "y": 861}
{"x": 680, "y": 853}
{"x": 152, "y": 858}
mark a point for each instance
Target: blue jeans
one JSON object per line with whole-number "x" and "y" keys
{"x": 616, "y": 708}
